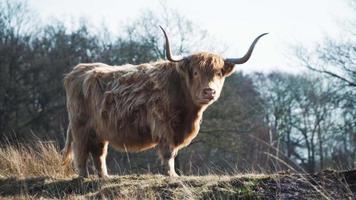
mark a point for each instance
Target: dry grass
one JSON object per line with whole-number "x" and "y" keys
{"x": 32, "y": 172}
{"x": 41, "y": 159}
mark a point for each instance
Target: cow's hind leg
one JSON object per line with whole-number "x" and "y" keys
{"x": 80, "y": 150}
{"x": 167, "y": 155}
{"x": 99, "y": 151}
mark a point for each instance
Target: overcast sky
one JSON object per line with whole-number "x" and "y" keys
{"x": 235, "y": 22}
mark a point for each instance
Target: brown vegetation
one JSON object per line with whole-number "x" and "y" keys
{"x": 40, "y": 159}
{"x": 32, "y": 173}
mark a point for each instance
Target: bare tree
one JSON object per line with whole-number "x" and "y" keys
{"x": 13, "y": 51}
{"x": 309, "y": 119}
{"x": 187, "y": 36}
{"x": 334, "y": 58}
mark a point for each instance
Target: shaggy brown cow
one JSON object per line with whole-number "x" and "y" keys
{"x": 138, "y": 107}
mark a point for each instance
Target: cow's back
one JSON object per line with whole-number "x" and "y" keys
{"x": 84, "y": 93}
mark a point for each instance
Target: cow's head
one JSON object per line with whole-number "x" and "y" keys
{"x": 205, "y": 73}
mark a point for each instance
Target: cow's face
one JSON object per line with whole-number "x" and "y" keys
{"x": 204, "y": 77}
{"x": 205, "y": 73}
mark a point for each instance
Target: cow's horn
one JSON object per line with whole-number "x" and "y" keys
{"x": 168, "y": 49}
{"x": 247, "y": 55}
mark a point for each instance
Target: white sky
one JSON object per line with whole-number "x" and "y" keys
{"x": 235, "y": 23}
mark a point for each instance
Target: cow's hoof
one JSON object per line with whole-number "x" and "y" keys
{"x": 173, "y": 174}
{"x": 104, "y": 176}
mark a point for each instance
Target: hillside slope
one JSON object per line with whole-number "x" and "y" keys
{"x": 325, "y": 185}
{"x": 34, "y": 172}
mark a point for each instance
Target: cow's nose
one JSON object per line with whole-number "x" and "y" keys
{"x": 208, "y": 92}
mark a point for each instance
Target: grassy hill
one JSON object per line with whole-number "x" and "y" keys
{"x": 35, "y": 172}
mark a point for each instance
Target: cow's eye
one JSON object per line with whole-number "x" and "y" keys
{"x": 219, "y": 74}
{"x": 195, "y": 73}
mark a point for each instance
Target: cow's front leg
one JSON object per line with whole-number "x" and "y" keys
{"x": 167, "y": 155}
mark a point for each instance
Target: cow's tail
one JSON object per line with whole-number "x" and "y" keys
{"x": 67, "y": 150}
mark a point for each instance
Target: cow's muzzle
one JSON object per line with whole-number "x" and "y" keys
{"x": 208, "y": 94}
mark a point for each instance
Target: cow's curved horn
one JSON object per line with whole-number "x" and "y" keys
{"x": 247, "y": 55}
{"x": 168, "y": 49}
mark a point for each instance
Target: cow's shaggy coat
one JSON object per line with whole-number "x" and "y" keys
{"x": 137, "y": 107}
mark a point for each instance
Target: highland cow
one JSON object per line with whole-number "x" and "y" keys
{"x": 138, "y": 107}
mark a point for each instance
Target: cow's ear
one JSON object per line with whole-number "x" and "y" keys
{"x": 228, "y": 69}
{"x": 108, "y": 100}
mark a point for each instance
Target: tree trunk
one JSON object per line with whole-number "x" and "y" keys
{"x": 320, "y": 149}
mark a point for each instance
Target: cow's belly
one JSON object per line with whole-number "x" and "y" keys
{"x": 132, "y": 140}
{"x": 132, "y": 146}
